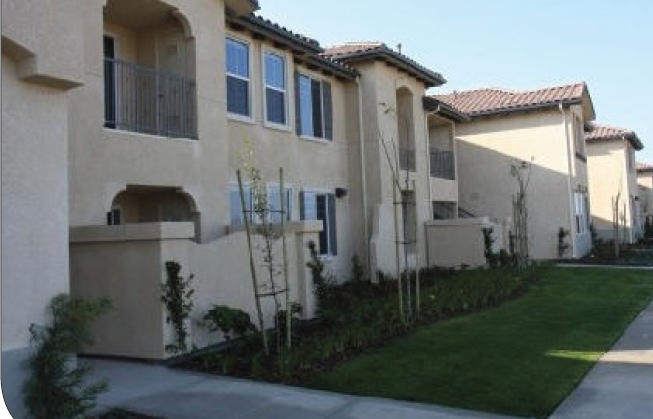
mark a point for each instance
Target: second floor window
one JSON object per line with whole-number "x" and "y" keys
{"x": 275, "y": 88}
{"x": 238, "y": 77}
{"x": 314, "y": 109}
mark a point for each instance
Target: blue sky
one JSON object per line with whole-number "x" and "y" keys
{"x": 513, "y": 44}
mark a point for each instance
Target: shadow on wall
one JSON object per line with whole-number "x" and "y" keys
{"x": 486, "y": 188}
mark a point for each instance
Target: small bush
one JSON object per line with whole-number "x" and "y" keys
{"x": 231, "y": 322}
{"x": 56, "y": 388}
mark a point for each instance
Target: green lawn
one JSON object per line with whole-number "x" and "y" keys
{"x": 522, "y": 358}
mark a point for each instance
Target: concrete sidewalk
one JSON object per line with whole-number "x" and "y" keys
{"x": 173, "y": 394}
{"x": 621, "y": 384}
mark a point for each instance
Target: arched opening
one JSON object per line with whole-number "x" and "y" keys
{"x": 149, "y": 69}
{"x": 148, "y": 204}
{"x": 406, "y": 129}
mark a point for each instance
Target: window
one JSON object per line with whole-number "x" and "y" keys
{"x": 579, "y": 137}
{"x": 275, "y": 88}
{"x": 581, "y": 207}
{"x": 444, "y": 210}
{"x": 109, "y": 82}
{"x": 274, "y": 204}
{"x": 321, "y": 206}
{"x": 237, "y": 77}
{"x": 314, "y": 112}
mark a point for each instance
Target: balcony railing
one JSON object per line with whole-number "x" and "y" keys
{"x": 407, "y": 159}
{"x": 443, "y": 164}
{"x": 142, "y": 99}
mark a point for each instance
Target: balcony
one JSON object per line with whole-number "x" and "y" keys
{"x": 443, "y": 164}
{"x": 145, "y": 100}
{"x": 407, "y": 159}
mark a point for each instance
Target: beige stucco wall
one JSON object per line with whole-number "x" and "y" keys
{"x": 379, "y": 84}
{"x": 486, "y": 149}
{"x": 645, "y": 188}
{"x": 105, "y": 161}
{"x": 34, "y": 210}
{"x": 127, "y": 264}
{"x": 308, "y": 164}
{"x": 459, "y": 242}
{"x": 609, "y": 176}
{"x": 41, "y": 60}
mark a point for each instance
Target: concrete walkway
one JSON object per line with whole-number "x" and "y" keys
{"x": 173, "y": 394}
{"x": 621, "y": 383}
{"x": 620, "y": 386}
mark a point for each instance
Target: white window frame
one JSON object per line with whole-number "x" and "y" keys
{"x": 321, "y": 191}
{"x": 286, "y": 91}
{"x": 322, "y": 139}
{"x": 250, "y": 111}
{"x": 580, "y": 213}
{"x": 270, "y": 187}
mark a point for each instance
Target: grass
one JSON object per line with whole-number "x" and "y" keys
{"x": 522, "y": 358}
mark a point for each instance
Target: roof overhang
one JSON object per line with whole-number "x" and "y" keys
{"x": 394, "y": 59}
{"x": 305, "y": 50}
{"x": 435, "y": 106}
{"x": 241, "y": 7}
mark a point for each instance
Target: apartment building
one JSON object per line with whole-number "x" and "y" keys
{"x": 612, "y": 171}
{"x": 125, "y": 122}
{"x": 645, "y": 191}
{"x": 542, "y": 132}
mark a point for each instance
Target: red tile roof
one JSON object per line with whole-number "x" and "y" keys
{"x": 351, "y": 52}
{"x": 600, "y": 132}
{"x": 643, "y": 167}
{"x": 491, "y": 101}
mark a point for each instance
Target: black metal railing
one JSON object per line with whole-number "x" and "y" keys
{"x": 443, "y": 164}
{"x": 407, "y": 159}
{"x": 145, "y": 100}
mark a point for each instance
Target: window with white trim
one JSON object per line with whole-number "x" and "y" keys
{"x": 275, "y": 88}
{"x": 314, "y": 107}
{"x": 273, "y": 202}
{"x": 238, "y": 77}
{"x": 581, "y": 212}
{"x": 321, "y": 206}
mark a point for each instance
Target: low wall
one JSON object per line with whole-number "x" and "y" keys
{"x": 127, "y": 264}
{"x": 452, "y": 243}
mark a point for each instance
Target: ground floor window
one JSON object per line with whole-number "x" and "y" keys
{"x": 273, "y": 201}
{"x": 581, "y": 212}
{"x": 321, "y": 206}
{"x": 443, "y": 210}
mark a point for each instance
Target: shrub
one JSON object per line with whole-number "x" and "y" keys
{"x": 177, "y": 293}
{"x": 231, "y": 322}
{"x": 56, "y": 387}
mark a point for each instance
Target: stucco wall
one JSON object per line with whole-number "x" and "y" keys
{"x": 127, "y": 264}
{"x": 456, "y": 243}
{"x": 645, "y": 184}
{"x": 105, "y": 161}
{"x": 609, "y": 176}
{"x": 379, "y": 86}
{"x": 41, "y": 59}
{"x": 486, "y": 150}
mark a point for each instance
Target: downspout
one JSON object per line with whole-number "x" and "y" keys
{"x": 361, "y": 137}
{"x": 572, "y": 210}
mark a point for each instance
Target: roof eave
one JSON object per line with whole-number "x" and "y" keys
{"x": 526, "y": 108}
{"x": 432, "y": 104}
{"x": 429, "y": 78}
{"x": 261, "y": 27}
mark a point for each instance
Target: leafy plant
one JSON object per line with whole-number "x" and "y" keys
{"x": 563, "y": 245}
{"x": 491, "y": 257}
{"x": 648, "y": 228}
{"x": 56, "y": 387}
{"x": 358, "y": 273}
{"x": 177, "y": 293}
{"x": 231, "y": 322}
